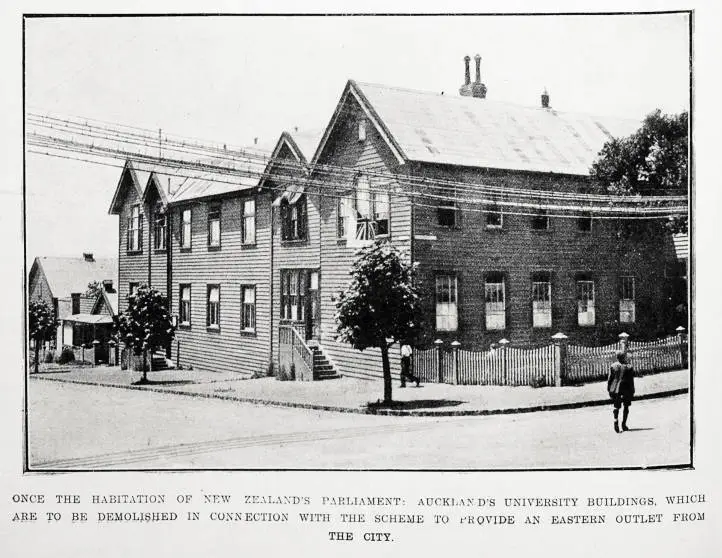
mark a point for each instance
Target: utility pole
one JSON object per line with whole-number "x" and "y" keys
{"x": 160, "y": 145}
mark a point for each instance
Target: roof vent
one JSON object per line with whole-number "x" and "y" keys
{"x": 88, "y": 257}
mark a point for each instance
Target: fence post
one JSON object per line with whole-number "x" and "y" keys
{"x": 560, "y": 357}
{"x": 95, "y": 351}
{"x": 455, "y": 347}
{"x": 177, "y": 354}
{"x": 624, "y": 341}
{"x": 111, "y": 353}
{"x": 505, "y": 360}
{"x": 439, "y": 360}
{"x": 682, "y": 338}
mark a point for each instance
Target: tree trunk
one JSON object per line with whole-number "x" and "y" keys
{"x": 387, "y": 373}
{"x": 37, "y": 355}
{"x": 145, "y": 373}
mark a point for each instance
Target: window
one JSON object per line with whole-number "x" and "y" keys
{"x": 585, "y": 302}
{"x": 294, "y": 284}
{"x": 362, "y": 130}
{"x": 135, "y": 230}
{"x": 541, "y": 300}
{"x": 494, "y": 218}
{"x": 213, "y": 313}
{"x": 446, "y": 214}
{"x": 494, "y": 302}
{"x": 186, "y": 229}
{"x": 184, "y": 307}
{"x": 75, "y": 301}
{"x": 293, "y": 219}
{"x": 626, "y": 300}
{"x": 370, "y": 213}
{"x": 214, "y": 226}
{"x": 249, "y": 221}
{"x": 160, "y": 231}
{"x": 248, "y": 308}
{"x": 343, "y": 215}
{"x": 584, "y": 223}
{"x": 132, "y": 290}
{"x": 446, "y": 303}
{"x": 540, "y": 222}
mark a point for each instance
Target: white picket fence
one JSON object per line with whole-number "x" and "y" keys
{"x": 554, "y": 364}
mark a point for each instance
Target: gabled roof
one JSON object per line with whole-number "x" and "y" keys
{"x": 109, "y": 299}
{"x": 471, "y": 132}
{"x": 301, "y": 145}
{"x": 66, "y": 276}
{"x": 138, "y": 178}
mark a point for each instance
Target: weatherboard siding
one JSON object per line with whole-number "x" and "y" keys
{"x": 345, "y": 150}
{"x": 226, "y": 349}
{"x": 132, "y": 267}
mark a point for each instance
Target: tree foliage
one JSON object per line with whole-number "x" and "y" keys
{"x": 41, "y": 324}
{"x": 380, "y": 305}
{"x": 94, "y": 289}
{"x": 146, "y": 324}
{"x": 651, "y": 161}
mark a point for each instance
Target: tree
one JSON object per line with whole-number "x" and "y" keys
{"x": 651, "y": 161}
{"x": 94, "y": 289}
{"x": 146, "y": 325}
{"x": 42, "y": 322}
{"x": 380, "y": 305}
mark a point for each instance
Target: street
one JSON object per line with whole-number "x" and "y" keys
{"x": 84, "y": 427}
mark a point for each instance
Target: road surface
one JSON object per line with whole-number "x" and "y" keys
{"x": 81, "y": 427}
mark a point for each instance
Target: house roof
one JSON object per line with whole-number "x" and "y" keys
{"x": 138, "y": 178}
{"x": 72, "y": 275}
{"x": 302, "y": 145}
{"x": 467, "y": 131}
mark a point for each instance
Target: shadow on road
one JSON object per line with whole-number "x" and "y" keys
{"x": 162, "y": 382}
{"x": 638, "y": 429}
{"x": 417, "y": 404}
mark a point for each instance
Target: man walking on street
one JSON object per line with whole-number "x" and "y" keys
{"x": 620, "y": 386}
{"x": 406, "y": 366}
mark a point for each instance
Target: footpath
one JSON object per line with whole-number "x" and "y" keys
{"x": 349, "y": 395}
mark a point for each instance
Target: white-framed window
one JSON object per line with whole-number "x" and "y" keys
{"x": 627, "y": 308}
{"x": 249, "y": 221}
{"x": 132, "y": 290}
{"x": 585, "y": 302}
{"x": 343, "y": 216}
{"x": 214, "y": 226}
{"x": 248, "y": 308}
{"x": 213, "y": 307}
{"x": 362, "y": 129}
{"x": 293, "y": 295}
{"x": 540, "y": 221}
{"x": 447, "y": 311}
{"x": 367, "y": 216}
{"x": 186, "y": 229}
{"x": 495, "y": 301}
{"x": 160, "y": 231}
{"x": 494, "y": 218}
{"x": 184, "y": 305}
{"x": 293, "y": 219}
{"x": 135, "y": 230}
{"x": 541, "y": 300}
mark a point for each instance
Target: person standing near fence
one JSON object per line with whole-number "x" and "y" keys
{"x": 406, "y": 353}
{"x": 620, "y": 386}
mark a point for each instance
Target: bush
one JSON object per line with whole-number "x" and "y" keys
{"x": 264, "y": 374}
{"x": 538, "y": 382}
{"x": 49, "y": 357}
{"x": 285, "y": 375}
{"x": 66, "y": 356}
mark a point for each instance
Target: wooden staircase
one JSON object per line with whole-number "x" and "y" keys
{"x": 160, "y": 362}
{"x": 322, "y": 368}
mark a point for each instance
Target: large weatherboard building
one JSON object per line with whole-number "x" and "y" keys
{"x": 241, "y": 261}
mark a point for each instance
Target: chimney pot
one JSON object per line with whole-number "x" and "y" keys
{"x": 545, "y": 99}
{"x": 467, "y": 74}
{"x": 88, "y": 257}
{"x": 477, "y": 59}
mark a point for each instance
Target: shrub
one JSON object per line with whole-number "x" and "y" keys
{"x": 49, "y": 357}
{"x": 285, "y": 375}
{"x": 538, "y": 382}
{"x": 66, "y": 356}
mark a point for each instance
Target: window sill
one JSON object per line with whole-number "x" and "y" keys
{"x": 295, "y": 242}
{"x": 495, "y": 229}
{"x": 248, "y": 333}
{"x": 187, "y": 250}
{"x": 184, "y": 326}
{"x": 134, "y": 252}
{"x": 214, "y": 248}
{"x": 213, "y": 328}
{"x": 160, "y": 250}
{"x": 447, "y": 227}
{"x": 245, "y": 245}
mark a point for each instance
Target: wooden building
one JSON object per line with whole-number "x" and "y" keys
{"x": 244, "y": 262}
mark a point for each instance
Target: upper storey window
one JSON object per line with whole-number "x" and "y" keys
{"x": 135, "y": 230}
{"x": 364, "y": 216}
{"x": 294, "y": 219}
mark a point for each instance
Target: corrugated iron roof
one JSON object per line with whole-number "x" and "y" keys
{"x": 72, "y": 275}
{"x": 467, "y": 131}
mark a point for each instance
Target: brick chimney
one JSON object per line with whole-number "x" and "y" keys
{"x": 478, "y": 89}
{"x": 465, "y": 90}
{"x": 545, "y": 99}
{"x": 88, "y": 257}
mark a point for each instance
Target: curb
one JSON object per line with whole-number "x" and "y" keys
{"x": 373, "y": 411}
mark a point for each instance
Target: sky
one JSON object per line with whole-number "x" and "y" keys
{"x": 232, "y": 79}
